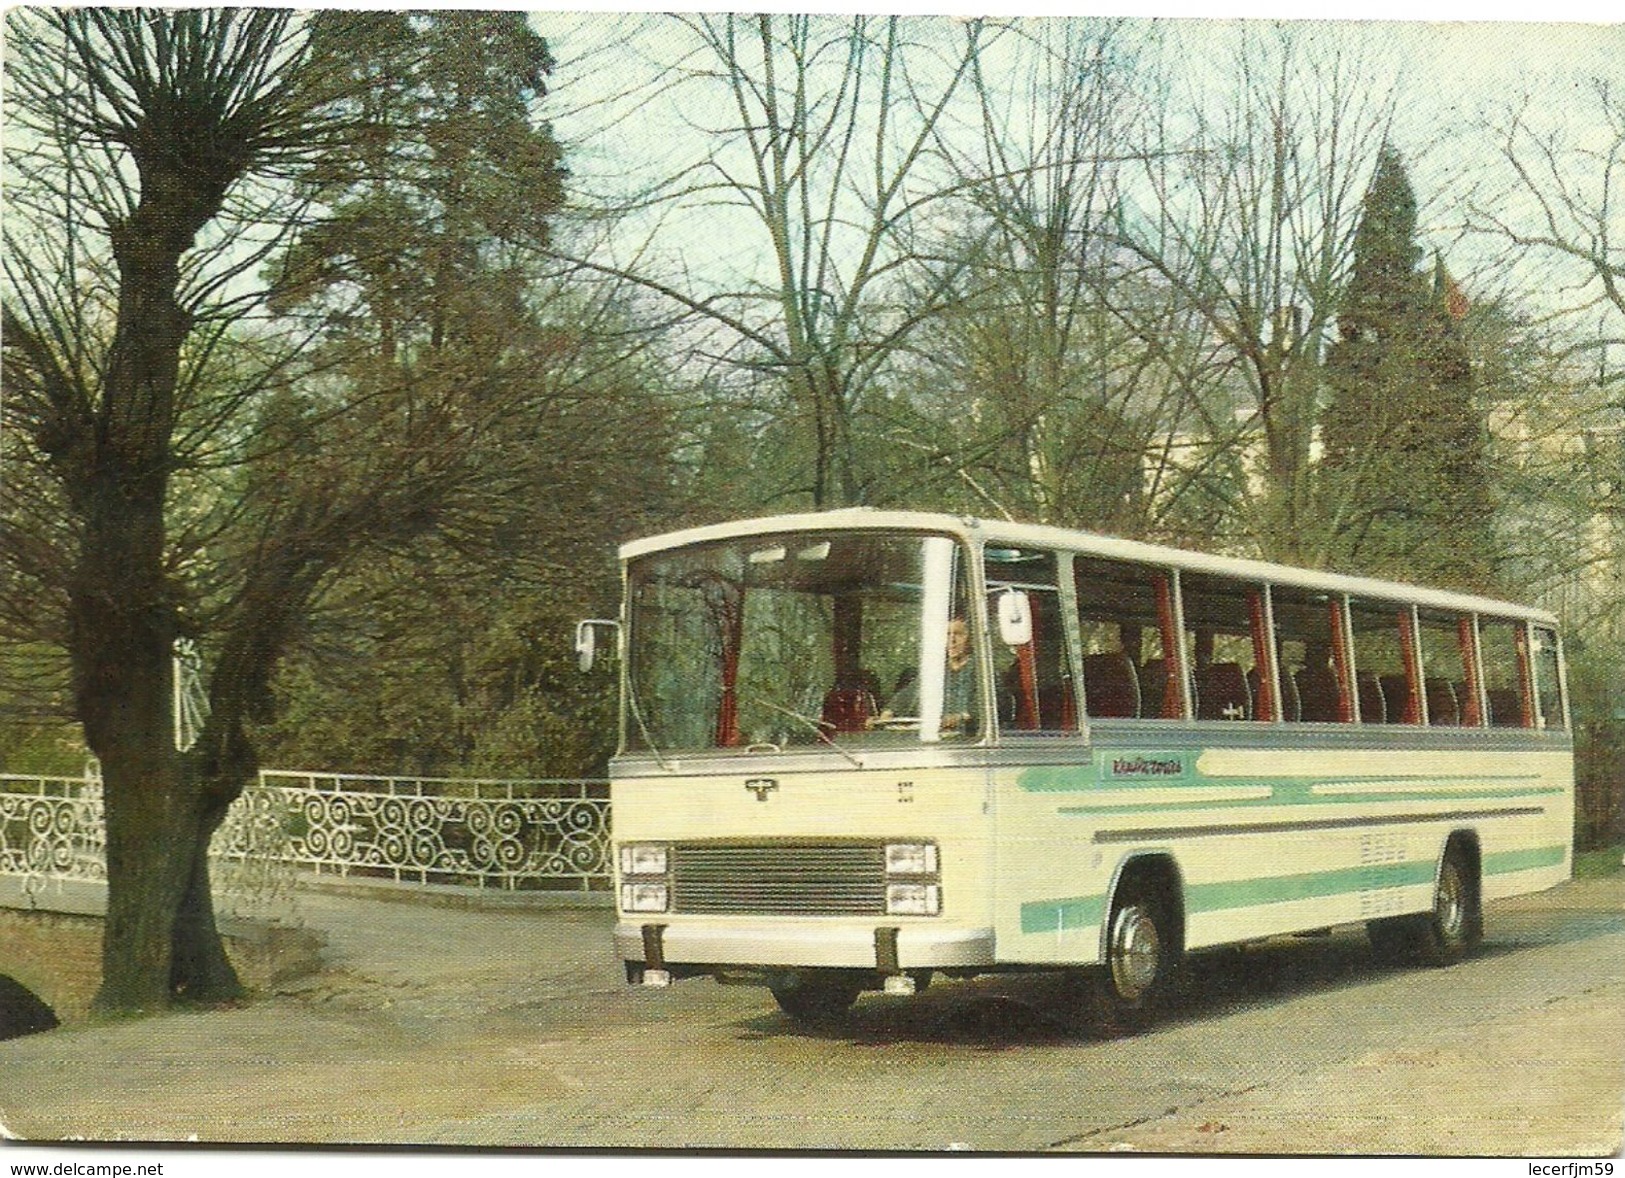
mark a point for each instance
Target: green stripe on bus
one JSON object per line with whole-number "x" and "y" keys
{"x": 1298, "y": 796}
{"x": 1058, "y": 778}
{"x": 1050, "y": 916}
{"x": 1081, "y": 778}
{"x": 1503, "y": 862}
{"x": 1309, "y": 885}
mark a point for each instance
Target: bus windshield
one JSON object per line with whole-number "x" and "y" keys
{"x": 800, "y": 639}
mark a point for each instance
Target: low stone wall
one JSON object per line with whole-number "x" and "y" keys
{"x": 58, "y": 955}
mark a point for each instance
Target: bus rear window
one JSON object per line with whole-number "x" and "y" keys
{"x": 1549, "y": 680}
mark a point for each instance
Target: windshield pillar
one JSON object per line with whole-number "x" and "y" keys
{"x": 935, "y": 611}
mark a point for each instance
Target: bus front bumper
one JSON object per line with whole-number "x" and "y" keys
{"x": 842, "y": 946}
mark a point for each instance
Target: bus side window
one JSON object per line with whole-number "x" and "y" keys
{"x": 1125, "y": 614}
{"x": 1226, "y": 639}
{"x": 1449, "y": 677}
{"x": 1308, "y": 656}
{"x": 1389, "y": 678}
{"x": 1549, "y": 680}
{"x": 1507, "y": 702}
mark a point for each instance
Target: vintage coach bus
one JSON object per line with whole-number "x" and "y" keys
{"x": 861, "y": 747}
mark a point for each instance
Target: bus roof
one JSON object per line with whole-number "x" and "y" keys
{"x": 1090, "y": 543}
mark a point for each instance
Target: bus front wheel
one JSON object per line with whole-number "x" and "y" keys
{"x": 1141, "y": 954}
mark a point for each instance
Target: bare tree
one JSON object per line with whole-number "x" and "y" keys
{"x": 818, "y": 149}
{"x": 1564, "y": 197}
{"x": 1553, "y": 218}
{"x": 1553, "y": 215}
{"x": 1061, "y": 384}
{"x": 1249, "y": 213}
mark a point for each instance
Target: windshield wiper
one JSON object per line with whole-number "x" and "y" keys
{"x": 818, "y": 727}
{"x": 637, "y": 714}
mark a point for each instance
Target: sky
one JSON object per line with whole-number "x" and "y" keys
{"x": 1453, "y": 78}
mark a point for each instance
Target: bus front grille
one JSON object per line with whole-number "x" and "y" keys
{"x": 794, "y": 879}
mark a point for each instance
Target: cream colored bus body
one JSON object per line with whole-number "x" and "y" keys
{"x": 1271, "y": 828}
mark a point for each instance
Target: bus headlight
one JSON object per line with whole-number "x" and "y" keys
{"x": 644, "y": 897}
{"x": 918, "y": 893}
{"x": 911, "y": 858}
{"x": 643, "y": 859}
{"x": 645, "y": 879}
{"x": 913, "y": 899}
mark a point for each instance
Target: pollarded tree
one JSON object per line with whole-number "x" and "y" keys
{"x": 1404, "y": 478}
{"x": 215, "y": 476}
{"x": 133, "y": 129}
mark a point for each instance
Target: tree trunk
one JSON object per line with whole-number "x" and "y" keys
{"x": 124, "y": 616}
{"x": 123, "y": 629}
{"x": 199, "y": 969}
{"x": 145, "y": 880}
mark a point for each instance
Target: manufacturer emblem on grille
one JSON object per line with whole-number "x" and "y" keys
{"x": 761, "y": 787}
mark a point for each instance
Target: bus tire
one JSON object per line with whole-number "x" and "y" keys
{"x": 1456, "y": 925}
{"x": 816, "y": 997}
{"x": 1396, "y": 939}
{"x": 1142, "y": 952}
{"x": 1447, "y": 933}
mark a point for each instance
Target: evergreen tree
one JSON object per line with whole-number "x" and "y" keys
{"x": 1404, "y": 482}
{"x": 426, "y": 276}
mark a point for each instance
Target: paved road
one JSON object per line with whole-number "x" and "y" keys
{"x": 514, "y": 1028}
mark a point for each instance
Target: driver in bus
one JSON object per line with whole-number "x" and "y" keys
{"x": 958, "y": 687}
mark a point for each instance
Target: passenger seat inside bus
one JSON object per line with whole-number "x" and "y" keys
{"x": 848, "y": 709}
{"x": 1504, "y": 709}
{"x": 1396, "y": 694}
{"x": 1154, "y": 691}
{"x": 1222, "y": 693}
{"x": 1373, "y": 701}
{"x": 1291, "y": 702}
{"x": 1442, "y": 709}
{"x": 1111, "y": 688}
{"x": 1319, "y": 698}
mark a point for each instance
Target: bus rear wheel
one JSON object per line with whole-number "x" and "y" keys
{"x": 1448, "y": 933}
{"x": 1456, "y": 925}
{"x": 816, "y": 997}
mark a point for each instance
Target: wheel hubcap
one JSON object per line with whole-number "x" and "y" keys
{"x": 1449, "y": 909}
{"x": 1136, "y": 952}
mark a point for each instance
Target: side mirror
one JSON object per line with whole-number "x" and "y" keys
{"x": 587, "y": 640}
{"x": 1015, "y": 618}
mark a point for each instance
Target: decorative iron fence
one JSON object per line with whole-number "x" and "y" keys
{"x": 486, "y": 834}
{"x": 511, "y": 835}
{"x": 51, "y": 830}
